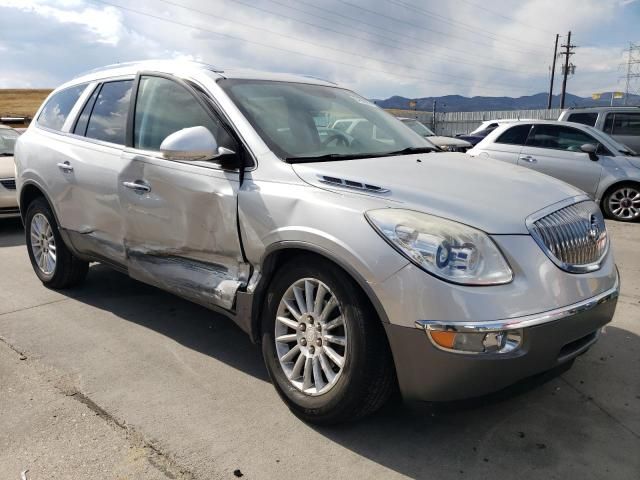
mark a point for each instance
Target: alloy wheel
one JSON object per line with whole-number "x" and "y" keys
{"x": 311, "y": 337}
{"x": 43, "y": 244}
{"x": 624, "y": 203}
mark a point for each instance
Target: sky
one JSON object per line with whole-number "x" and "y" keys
{"x": 378, "y": 48}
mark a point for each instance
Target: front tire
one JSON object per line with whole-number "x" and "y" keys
{"x": 53, "y": 263}
{"x": 622, "y": 203}
{"x": 323, "y": 344}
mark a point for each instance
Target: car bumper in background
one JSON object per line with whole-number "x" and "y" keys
{"x": 8, "y": 198}
{"x": 426, "y": 371}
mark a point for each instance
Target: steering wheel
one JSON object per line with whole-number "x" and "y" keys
{"x": 338, "y": 138}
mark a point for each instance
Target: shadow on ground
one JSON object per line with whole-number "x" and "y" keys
{"x": 11, "y": 232}
{"x": 543, "y": 427}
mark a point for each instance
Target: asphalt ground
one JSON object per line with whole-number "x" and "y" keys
{"x": 118, "y": 380}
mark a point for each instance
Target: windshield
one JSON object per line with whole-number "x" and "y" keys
{"x": 418, "y": 127}
{"x": 619, "y": 147}
{"x": 305, "y": 122}
{"x": 8, "y": 139}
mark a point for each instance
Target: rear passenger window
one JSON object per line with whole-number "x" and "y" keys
{"x": 585, "y": 118}
{"x": 83, "y": 119}
{"x": 164, "y": 107}
{"x": 515, "y": 135}
{"x": 108, "y": 121}
{"x": 57, "y": 109}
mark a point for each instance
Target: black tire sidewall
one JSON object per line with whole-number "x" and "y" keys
{"x": 355, "y": 312}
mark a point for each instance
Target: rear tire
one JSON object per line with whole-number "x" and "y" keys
{"x": 334, "y": 393}
{"x": 52, "y": 261}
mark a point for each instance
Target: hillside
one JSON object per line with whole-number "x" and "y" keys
{"x": 21, "y": 102}
{"x": 458, "y": 103}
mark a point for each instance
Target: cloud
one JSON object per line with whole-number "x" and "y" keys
{"x": 378, "y": 47}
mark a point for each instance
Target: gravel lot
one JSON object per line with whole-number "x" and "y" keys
{"x": 118, "y": 380}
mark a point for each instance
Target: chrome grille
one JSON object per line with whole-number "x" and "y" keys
{"x": 8, "y": 183}
{"x": 573, "y": 237}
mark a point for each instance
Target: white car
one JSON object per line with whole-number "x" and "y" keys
{"x": 578, "y": 154}
{"x": 448, "y": 144}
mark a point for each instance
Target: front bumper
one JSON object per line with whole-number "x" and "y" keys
{"x": 426, "y": 372}
{"x": 8, "y": 198}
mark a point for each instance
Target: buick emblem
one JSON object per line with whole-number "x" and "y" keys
{"x": 594, "y": 231}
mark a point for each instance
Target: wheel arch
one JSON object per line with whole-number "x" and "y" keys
{"x": 276, "y": 255}
{"x": 28, "y": 193}
{"x": 613, "y": 186}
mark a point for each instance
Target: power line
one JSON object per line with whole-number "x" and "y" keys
{"x": 506, "y": 17}
{"x": 415, "y": 52}
{"x": 465, "y": 26}
{"x": 264, "y": 45}
{"x": 421, "y": 27}
{"x": 568, "y": 51}
{"x": 633, "y": 71}
{"x": 291, "y": 37}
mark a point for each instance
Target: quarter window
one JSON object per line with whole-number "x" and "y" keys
{"x": 57, "y": 109}
{"x": 164, "y": 107}
{"x": 515, "y": 135}
{"x": 623, "y": 124}
{"x": 108, "y": 121}
{"x": 585, "y": 118}
{"x": 559, "y": 138}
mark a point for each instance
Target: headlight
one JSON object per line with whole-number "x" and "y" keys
{"x": 447, "y": 249}
{"x": 448, "y": 148}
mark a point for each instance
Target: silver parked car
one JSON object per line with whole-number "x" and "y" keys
{"x": 8, "y": 197}
{"x": 361, "y": 265}
{"x": 448, "y": 144}
{"x": 587, "y": 158}
{"x": 622, "y": 123}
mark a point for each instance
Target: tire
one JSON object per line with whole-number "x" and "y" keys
{"x": 65, "y": 270}
{"x": 366, "y": 379}
{"x": 621, "y": 196}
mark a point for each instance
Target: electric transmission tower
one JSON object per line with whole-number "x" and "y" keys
{"x": 633, "y": 71}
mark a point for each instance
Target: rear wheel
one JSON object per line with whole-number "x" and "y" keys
{"x": 623, "y": 203}
{"x": 324, "y": 347}
{"x": 52, "y": 261}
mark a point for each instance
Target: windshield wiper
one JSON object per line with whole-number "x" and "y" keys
{"x": 354, "y": 156}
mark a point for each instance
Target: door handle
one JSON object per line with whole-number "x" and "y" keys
{"x": 138, "y": 186}
{"x": 65, "y": 167}
{"x": 529, "y": 159}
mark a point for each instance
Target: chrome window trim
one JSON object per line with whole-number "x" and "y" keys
{"x": 533, "y": 218}
{"x": 525, "y": 321}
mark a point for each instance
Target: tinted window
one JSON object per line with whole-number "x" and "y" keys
{"x": 584, "y": 118}
{"x": 559, "y": 138}
{"x": 57, "y": 109}
{"x": 164, "y": 107}
{"x": 515, "y": 135}
{"x": 623, "y": 124}
{"x": 83, "y": 119}
{"x": 108, "y": 120}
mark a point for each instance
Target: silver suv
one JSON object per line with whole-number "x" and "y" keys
{"x": 361, "y": 264}
{"x": 622, "y": 123}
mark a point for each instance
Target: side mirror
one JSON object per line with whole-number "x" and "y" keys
{"x": 591, "y": 149}
{"x": 192, "y": 144}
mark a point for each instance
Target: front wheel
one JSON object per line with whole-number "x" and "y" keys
{"x": 324, "y": 346}
{"x": 623, "y": 203}
{"x": 52, "y": 261}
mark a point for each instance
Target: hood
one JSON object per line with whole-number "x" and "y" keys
{"x": 449, "y": 141}
{"x": 488, "y": 194}
{"x": 7, "y": 167}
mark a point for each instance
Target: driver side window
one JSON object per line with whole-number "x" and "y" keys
{"x": 557, "y": 137}
{"x": 164, "y": 107}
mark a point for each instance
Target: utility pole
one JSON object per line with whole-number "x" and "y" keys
{"x": 433, "y": 121}
{"x": 567, "y": 55}
{"x": 553, "y": 72}
{"x": 633, "y": 69}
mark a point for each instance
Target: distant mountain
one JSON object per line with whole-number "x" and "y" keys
{"x": 458, "y": 103}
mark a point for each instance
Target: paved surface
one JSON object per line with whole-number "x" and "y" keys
{"x": 118, "y": 380}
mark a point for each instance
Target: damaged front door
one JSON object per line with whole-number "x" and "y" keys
{"x": 181, "y": 216}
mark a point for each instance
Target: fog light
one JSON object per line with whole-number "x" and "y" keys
{"x": 502, "y": 341}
